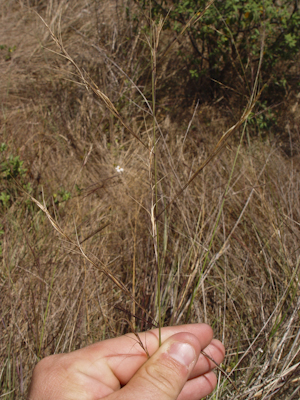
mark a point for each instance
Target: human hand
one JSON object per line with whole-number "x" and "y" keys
{"x": 118, "y": 368}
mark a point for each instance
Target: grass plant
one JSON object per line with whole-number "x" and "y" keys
{"x": 156, "y": 216}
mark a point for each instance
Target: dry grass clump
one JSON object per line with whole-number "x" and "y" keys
{"x": 229, "y": 243}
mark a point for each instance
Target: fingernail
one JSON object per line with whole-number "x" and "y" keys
{"x": 183, "y": 353}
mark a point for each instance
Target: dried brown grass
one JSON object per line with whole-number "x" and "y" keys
{"x": 52, "y": 299}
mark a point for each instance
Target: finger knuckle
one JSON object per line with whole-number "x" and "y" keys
{"x": 163, "y": 382}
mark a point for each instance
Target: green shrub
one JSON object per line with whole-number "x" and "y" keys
{"x": 226, "y": 41}
{"x": 12, "y": 170}
{"x": 7, "y": 51}
{"x": 62, "y": 196}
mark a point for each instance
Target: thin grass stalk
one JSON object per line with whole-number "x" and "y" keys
{"x": 46, "y": 313}
{"x": 193, "y": 20}
{"x": 255, "y": 95}
{"x": 237, "y": 52}
{"x": 88, "y": 83}
{"x": 243, "y": 121}
{"x": 103, "y": 268}
{"x": 218, "y": 148}
{"x": 153, "y": 42}
{"x": 276, "y": 308}
{"x": 134, "y": 272}
{"x": 217, "y": 223}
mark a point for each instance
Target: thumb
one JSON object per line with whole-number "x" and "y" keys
{"x": 166, "y": 372}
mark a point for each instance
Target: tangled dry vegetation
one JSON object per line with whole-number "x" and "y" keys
{"x": 229, "y": 248}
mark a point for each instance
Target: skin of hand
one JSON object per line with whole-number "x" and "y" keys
{"x": 119, "y": 368}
